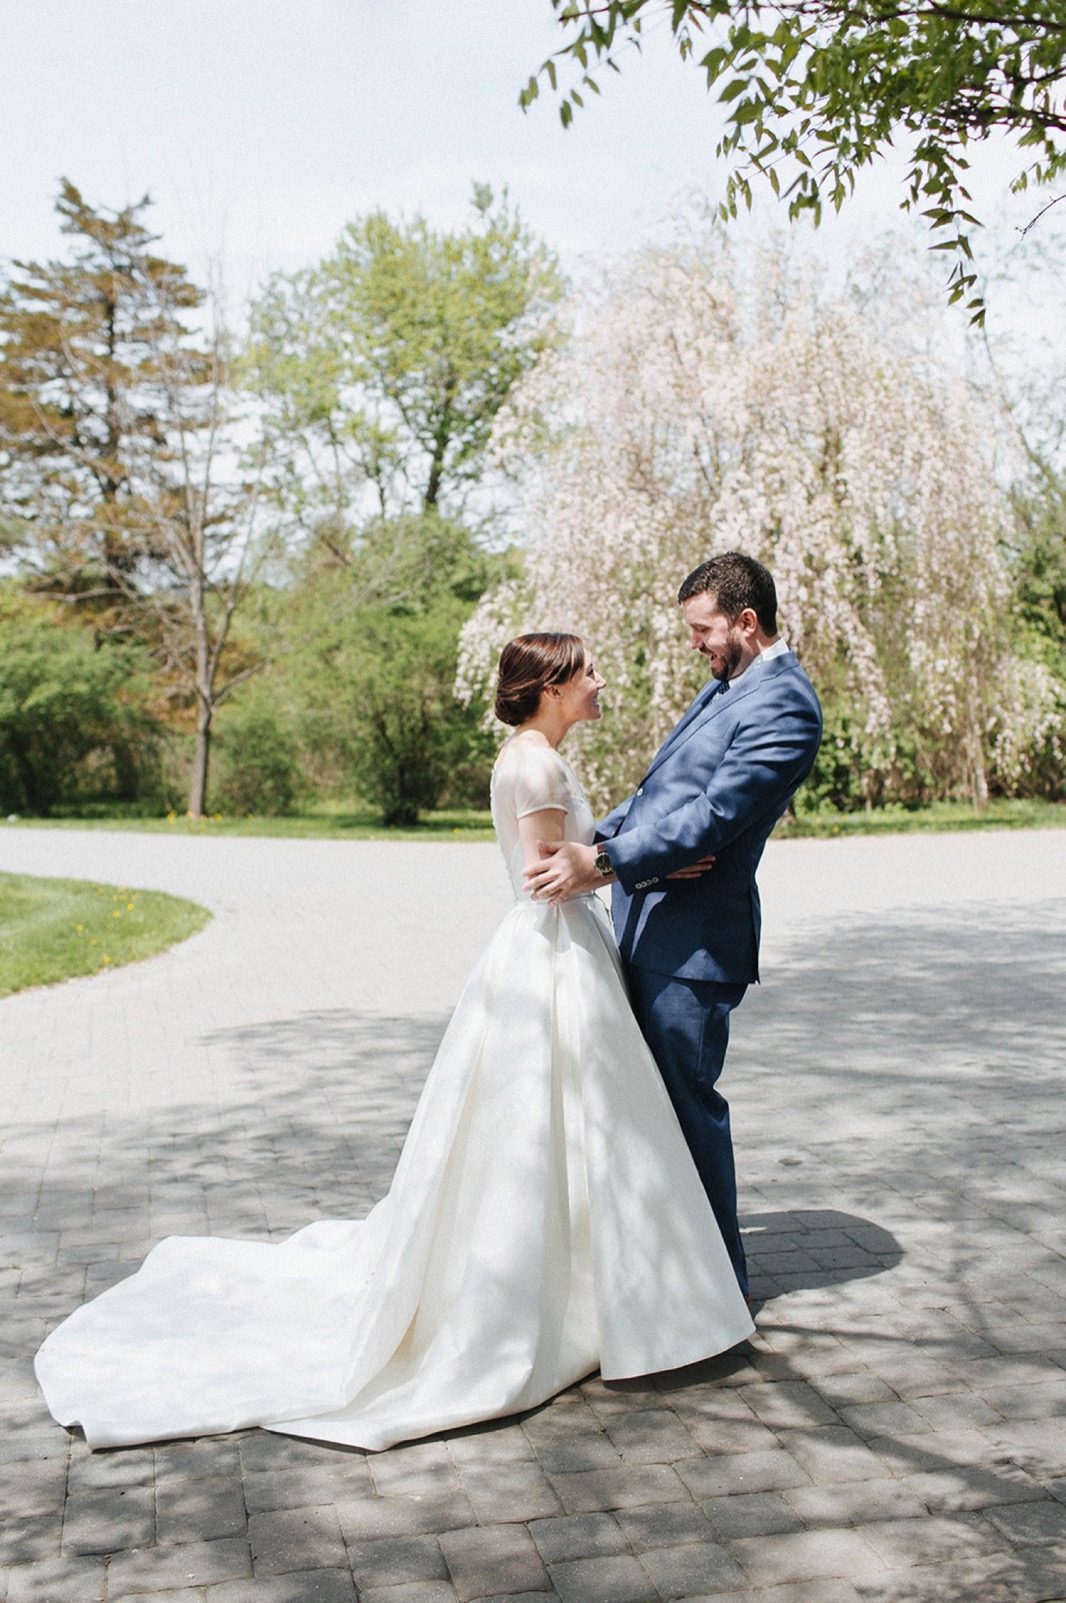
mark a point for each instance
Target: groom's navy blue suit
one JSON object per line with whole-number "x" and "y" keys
{"x": 719, "y": 783}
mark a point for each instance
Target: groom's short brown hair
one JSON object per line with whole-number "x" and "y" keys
{"x": 736, "y": 581}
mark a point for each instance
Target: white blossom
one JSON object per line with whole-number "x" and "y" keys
{"x": 691, "y": 413}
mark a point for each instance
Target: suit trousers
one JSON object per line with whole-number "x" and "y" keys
{"x": 686, "y": 1025}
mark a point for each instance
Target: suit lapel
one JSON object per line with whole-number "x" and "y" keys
{"x": 712, "y": 699}
{"x": 707, "y": 702}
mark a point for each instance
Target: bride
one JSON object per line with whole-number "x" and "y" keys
{"x": 545, "y": 1218}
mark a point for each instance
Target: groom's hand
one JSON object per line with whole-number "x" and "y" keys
{"x": 566, "y": 868}
{"x": 694, "y": 870}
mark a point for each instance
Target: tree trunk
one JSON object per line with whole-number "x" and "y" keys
{"x": 198, "y": 787}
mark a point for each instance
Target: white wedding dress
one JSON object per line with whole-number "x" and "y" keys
{"x": 545, "y": 1220}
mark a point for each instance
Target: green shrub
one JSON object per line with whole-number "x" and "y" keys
{"x": 75, "y": 718}
{"x": 258, "y": 768}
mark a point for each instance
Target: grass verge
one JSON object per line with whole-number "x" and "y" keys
{"x": 54, "y": 929}
{"x": 323, "y": 823}
{"x": 1003, "y": 813}
{"x": 339, "y": 822}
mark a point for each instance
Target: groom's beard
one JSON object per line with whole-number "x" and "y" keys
{"x": 725, "y": 664}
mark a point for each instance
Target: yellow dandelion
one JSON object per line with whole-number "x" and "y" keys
{"x": 129, "y": 907}
{"x": 106, "y": 958}
{"x": 79, "y": 928}
{"x": 117, "y": 913}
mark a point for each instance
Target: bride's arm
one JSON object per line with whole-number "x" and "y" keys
{"x": 547, "y": 825}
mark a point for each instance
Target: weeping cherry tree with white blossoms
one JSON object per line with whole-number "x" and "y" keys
{"x": 685, "y": 417}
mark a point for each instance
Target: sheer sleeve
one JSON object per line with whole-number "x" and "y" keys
{"x": 541, "y": 780}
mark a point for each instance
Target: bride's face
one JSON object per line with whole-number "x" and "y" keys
{"x": 579, "y": 696}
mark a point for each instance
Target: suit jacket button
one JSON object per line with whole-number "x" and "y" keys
{"x": 640, "y": 790}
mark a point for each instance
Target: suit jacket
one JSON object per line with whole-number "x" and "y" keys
{"x": 719, "y": 783}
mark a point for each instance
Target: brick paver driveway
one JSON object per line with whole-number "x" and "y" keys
{"x": 896, "y": 1431}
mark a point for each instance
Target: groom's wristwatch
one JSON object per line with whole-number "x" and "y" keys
{"x": 603, "y": 864}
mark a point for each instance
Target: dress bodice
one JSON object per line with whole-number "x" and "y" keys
{"x": 530, "y": 776}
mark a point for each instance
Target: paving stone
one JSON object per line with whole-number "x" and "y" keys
{"x": 368, "y": 1519}
{"x": 397, "y": 1559}
{"x": 934, "y": 1539}
{"x": 973, "y": 1487}
{"x": 1039, "y": 1446}
{"x": 618, "y": 1579}
{"x": 1032, "y": 1370}
{"x": 414, "y": 1471}
{"x": 296, "y": 1539}
{"x": 935, "y": 1451}
{"x": 62, "y": 1580}
{"x": 691, "y": 1570}
{"x": 414, "y": 1592}
{"x": 585, "y": 1452}
{"x": 574, "y": 1536}
{"x": 751, "y": 1514}
{"x": 204, "y": 1459}
{"x": 664, "y": 1525}
{"x": 823, "y": 1590}
{"x": 789, "y": 1404}
{"x": 739, "y": 1435}
{"x": 855, "y": 1502}
{"x": 263, "y": 1450}
{"x": 1030, "y": 1522}
{"x": 628, "y": 1487}
{"x": 833, "y": 1453}
{"x": 956, "y": 1411}
{"x": 1037, "y": 1401}
{"x": 184, "y": 1595}
{"x": 1010, "y": 1576}
{"x": 192, "y": 1564}
{"x": 109, "y": 1519}
{"x": 199, "y": 1510}
{"x": 302, "y": 1586}
{"x": 509, "y": 1491}
{"x": 492, "y": 1560}
{"x": 742, "y": 1472}
{"x": 884, "y": 1419}
{"x": 651, "y": 1437}
{"x": 492, "y": 1444}
{"x": 804, "y": 1556}
{"x": 131, "y": 1467}
{"x": 842, "y": 1389}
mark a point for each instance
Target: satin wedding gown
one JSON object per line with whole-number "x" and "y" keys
{"x": 545, "y": 1220}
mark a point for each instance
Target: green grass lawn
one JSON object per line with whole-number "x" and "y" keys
{"x": 348, "y": 821}
{"x": 325, "y": 821}
{"x": 999, "y": 814}
{"x": 54, "y": 929}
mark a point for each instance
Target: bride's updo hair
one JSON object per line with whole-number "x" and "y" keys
{"x": 528, "y": 666}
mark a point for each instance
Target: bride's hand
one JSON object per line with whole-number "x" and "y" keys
{"x": 694, "y": 870}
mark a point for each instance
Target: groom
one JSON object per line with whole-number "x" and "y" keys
{"x": 716, "y": 786}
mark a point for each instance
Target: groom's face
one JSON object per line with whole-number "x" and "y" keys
{"x": 713, "y": 636}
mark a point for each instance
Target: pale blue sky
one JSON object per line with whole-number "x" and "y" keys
{"x": 261, "y": 126}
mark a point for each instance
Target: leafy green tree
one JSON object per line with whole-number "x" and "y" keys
{"x": 815, "y": 90}
{"x": 117, "y": 443}
{"x": 75, "y": 713}
{"x": 372, "y": 650}
{"x": 381, "y": 371}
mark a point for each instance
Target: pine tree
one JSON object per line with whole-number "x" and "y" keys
{"x": 87, "y": 348}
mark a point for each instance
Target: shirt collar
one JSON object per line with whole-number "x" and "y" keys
{"x": 778, "y": 649}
